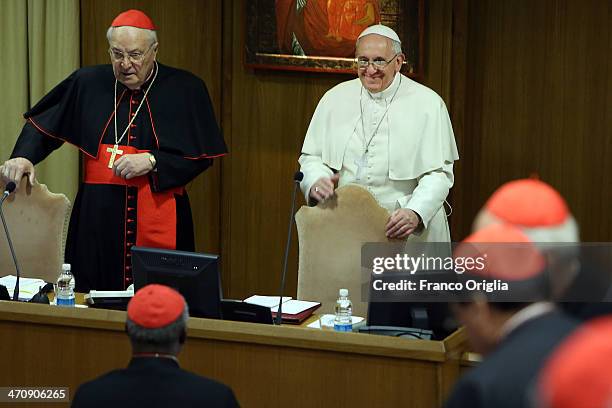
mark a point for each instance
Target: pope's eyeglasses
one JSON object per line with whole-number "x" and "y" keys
{"x": 377, "y": 63}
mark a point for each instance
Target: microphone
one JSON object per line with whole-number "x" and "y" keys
{"x": 10, "y": 187}
{"x": 297, "y": 178}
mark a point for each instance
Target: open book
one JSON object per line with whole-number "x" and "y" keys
{"x": 294, "y": 311}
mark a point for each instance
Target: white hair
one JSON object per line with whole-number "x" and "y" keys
{"x": 567, "y": 231}
{"x": 151, "y": 33}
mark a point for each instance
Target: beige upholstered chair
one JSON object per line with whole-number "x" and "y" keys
{"x": 37, "y": 221}
{"x": 330, "y": 239}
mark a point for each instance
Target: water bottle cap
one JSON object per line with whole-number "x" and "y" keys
{"x": 343, "y": 292}
{"x": 65, "y": 267}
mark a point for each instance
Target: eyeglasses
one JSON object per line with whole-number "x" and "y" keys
{"x": 135, "y": 57}
{"x": 377, "y": 63}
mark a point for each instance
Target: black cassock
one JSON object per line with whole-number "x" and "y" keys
{"x": 153, "y": 382}
{"x": 176, "y": 124}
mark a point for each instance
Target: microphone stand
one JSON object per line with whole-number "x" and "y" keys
{"x": 297, "y": 178}
{"x": 7, "y": 192}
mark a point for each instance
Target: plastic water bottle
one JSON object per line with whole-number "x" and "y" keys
{"x": 344, "y": 312}
{"x": 64, "y": 292}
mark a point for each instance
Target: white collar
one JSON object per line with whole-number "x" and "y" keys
{"x": 388, "y": 93}
{"x": 530, "y": 312}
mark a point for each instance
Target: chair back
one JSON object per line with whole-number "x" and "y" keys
{"x": 330, "y": 239}
{"x": 37, "y": 220}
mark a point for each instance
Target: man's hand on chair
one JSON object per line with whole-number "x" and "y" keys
{"x": 324, "y": 188}
{"x": 402, "y": 223}
{"x": 14, "y": 169}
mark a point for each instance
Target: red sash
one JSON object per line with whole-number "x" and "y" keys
{"x": 156, "y": 212}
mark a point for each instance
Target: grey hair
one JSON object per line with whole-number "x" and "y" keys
{"x": 568, "y": 231}
{"x": 151, "y": 33}
{"x": 396, "y": 46}
{"x": 161, "y": 336}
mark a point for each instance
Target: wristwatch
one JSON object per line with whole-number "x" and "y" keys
{"x": 153, "y": 161}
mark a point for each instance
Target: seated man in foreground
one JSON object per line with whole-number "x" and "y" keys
{"x": 515, "y": 330}
{"x": 156, "y": 324}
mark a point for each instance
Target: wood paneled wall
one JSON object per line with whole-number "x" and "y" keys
{"x": 528, "y": 85}
{"x": 268, "y": 113}
{"x": 534, "y": 95}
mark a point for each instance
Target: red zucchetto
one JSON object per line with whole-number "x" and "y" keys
{"x": 155, "y": 306}
{"x": 528, "y": 203}
{"x": 509, "y": 254}
{"x": 577, "y": 374}
{"x": 133, "y": 18}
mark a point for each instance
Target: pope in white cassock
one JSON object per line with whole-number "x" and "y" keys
{"x": 390, "y": 135}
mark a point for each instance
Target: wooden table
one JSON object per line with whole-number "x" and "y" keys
{"x": 267, "y": 366}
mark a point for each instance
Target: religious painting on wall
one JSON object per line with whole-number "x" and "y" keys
{"x": 320, "y": 35}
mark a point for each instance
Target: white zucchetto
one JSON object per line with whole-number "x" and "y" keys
{"x": 380, "y": 30}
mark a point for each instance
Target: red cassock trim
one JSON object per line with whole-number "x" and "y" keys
{"x": 156, "y": 212}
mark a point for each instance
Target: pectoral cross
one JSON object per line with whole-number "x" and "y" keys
{"x": 114, "y": 151}
{"x": 361, "y": 163}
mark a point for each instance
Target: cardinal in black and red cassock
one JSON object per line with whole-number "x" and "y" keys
{"x": 145, "y": 130}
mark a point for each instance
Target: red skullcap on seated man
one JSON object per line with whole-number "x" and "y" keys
{"x": 578, "y": 374}
{"x": 543, "y": 215}
{"x": 133, "y": 18}
{"x": 509, "y": 254}
{"x": 155, "y": 306}
{"x": 535, "y": 207}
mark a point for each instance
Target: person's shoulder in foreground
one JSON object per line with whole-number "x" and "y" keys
{"x": 504, "y": 377}
{"x": 153, "y": 384}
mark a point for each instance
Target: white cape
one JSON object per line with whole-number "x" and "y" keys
{"x": 421, "y": 136}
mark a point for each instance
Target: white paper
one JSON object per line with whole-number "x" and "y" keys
{"x": 28, "y": 287}
{"x": 111, "y": 293}
{"x": 267, "y": 301}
